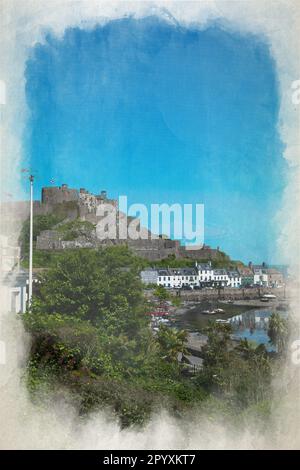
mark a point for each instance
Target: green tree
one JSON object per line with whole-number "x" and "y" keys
{"x": 215, "y": 352}
{"x": 241, "y": 374}
{"x": 216, "y": 356}
{"x": 252, "y": 382}
{"x": 161, "y": 293}
{"x": 171, "y": 342}
{"x": 90, "y": 333}
{"x": 92, "y": 285}
{"x": 278, "y": 332}
{"x": 40, "y": 222}
{"x": 90, "y": 304}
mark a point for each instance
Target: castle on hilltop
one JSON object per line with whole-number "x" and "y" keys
{"x": 73, "y": 204}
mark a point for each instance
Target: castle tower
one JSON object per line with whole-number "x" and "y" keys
{"x": 59, "y": 194}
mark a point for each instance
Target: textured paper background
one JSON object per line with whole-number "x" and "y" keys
{"x": 23, "y": 23}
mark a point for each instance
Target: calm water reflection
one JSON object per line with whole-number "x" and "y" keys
{"x": 252, "y": 325}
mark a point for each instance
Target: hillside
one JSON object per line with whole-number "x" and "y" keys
{"x": 53, "y": 234}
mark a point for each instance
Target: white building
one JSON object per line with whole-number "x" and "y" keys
{"x": 275, "y": 277}
{"x": 221, "y": 278}
{"x": 177, "y": 277}
{"x": 149, "y": 276}
{"x": 205, "y": 273}
{"x": 14, "y": 292}
{"x": 260, "y": 276}
{"x": 234, "y": 279}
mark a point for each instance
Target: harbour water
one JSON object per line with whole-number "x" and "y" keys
{"x": 250, "y": 324}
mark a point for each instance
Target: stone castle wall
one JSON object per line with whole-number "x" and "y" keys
{"x": 71, "y": 204}
{"x": 58, "y": 195}
{"x": 199, "y": 254}
{"x": 154, "y": 249}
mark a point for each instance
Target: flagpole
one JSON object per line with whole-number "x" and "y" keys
{"x": 30, "y": 240}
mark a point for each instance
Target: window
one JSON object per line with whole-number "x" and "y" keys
{"x": 14, "y": 298}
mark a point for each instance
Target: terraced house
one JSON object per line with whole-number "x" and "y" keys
{"x": 247, "y": 276}
{"x": 205, "y": 273}
{"x": 177, "y": 277}
{"x": 234, "y": 278}
{"x": 221, "y": 278}
{"x": 275, "y": 277}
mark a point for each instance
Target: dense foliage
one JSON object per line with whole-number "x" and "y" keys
{"x": 75, "y": 228}
{"x": 161, "y": 293}
{"x": 40, "y": 222}
{"x": 242, "y": 374}
{"x": 278, "y": 332}
{"x": 89, "y": 319}
{"x": 91, "y": 338}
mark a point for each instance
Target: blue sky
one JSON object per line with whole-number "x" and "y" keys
{"x": 162, "y": 113}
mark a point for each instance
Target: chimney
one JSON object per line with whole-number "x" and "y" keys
{"x": 103, "y": 194}
{"x": 64, "y": 186}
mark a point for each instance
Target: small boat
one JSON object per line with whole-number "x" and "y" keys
{"x": 219, "y": 310}
{"x": 163, "y": 320}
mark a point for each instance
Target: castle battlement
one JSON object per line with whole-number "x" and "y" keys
{"x": 59, "y": 194}
{"x": 87, "y": 202}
